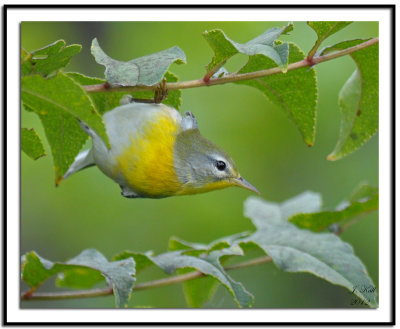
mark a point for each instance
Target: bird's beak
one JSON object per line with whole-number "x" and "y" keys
{"x": 241, "y": 182}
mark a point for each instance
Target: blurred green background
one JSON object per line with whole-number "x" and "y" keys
{"x": 87, "y": 210}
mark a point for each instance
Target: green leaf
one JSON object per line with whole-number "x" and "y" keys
{"x": 142, "y": 260}
{"x": 363, "y": 201}
{"x": 31, "y": 144}
{"x": 298, "y": 250}
{"x": 358, "y": 99}
{"x": 224, "y": 48}
{"x": 210, "y": 265}
{"x": 59, "y": 101}
{"x": 224, "y": 242}
{"x": 294, "y": 92}
{"x": 35, "y": 270}
{"x": 174, "y": 98}
{"x": 26, "y": 64}
{"x": 48, "y": 59}
{"x": 363, "y": 192}
{"x": 146, "y": 70}
{"x": 79, "y": 278}
{"x": 84, "y": 80}
{"x": 106, "y": 101}
{"x": 120, "y": 274}
{"x": 103, "y": 101}
{"x": 198, "y": 291}
{"x": 324, "y": 29}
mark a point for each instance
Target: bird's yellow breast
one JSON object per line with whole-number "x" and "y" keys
{"x": 148, "y": 163}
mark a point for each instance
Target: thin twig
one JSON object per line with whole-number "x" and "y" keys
{"x": 235, "y": 77}
{"x": 68, "y": 294}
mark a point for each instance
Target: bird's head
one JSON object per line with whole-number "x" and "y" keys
{"x": 202, "y": 166}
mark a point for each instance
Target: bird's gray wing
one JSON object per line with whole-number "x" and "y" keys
{"x": 189, "y": 121}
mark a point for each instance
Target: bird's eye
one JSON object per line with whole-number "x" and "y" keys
{"x": 220, "y": 165}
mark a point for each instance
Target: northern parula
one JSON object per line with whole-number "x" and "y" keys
{"x": 156, "y": 153}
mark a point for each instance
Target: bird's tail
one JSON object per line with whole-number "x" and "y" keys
{"x": 83, "y": 160}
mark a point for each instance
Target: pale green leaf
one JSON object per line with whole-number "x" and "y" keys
{"x": 200, "y": 290}
{"x": 358, "y": 99}
{"x": 31, "y": 144}
{"x": 362, "y": 202}
{"x": 60, "y": 101}
{"x": 297, "y": 250}
{"x": 209, "y": 264}
{"x": 147, "y": 70}
{"x": 119, "y": 274}
{"x": 295, "y": 92}
{"x": 48, "y": 59}
{"x": 264, "y": 44}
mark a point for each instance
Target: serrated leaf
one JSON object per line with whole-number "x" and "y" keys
{"x": 174, "y": 98}
{"x": 298, "y": 250}
{"x": 84, "y": 80}
{"x": 208, "y": 264}
{"x": 31, "y": 144}
{"x": 324, "y": 30}
{"x": 358, "y": 99}
{"x": 120, "y": 274}
{"x": 48, "y": 59}
{"x": 264, "y": 44}
{"x": 146, "y": 71}
{"x": 59, "y": 101}
{"x": 364, "y": 200}
{"x": 104, "y": 101}
{"x": 295, "y": 92}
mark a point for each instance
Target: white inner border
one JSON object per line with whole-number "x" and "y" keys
{"x": 15, "y": 314}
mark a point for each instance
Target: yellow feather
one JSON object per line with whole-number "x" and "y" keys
{"x": 148, "y": 163}
{"x": 206, "y": 188}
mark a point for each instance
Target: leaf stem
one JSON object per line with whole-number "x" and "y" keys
{"x": 319, "y": 41}
{"x": 307, "y": 62}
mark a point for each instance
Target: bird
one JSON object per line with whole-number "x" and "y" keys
{"x": 155, "y": 152}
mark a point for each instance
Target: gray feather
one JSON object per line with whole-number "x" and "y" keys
{"x": 189, "y": 121}
{"x": 83, "y": 160}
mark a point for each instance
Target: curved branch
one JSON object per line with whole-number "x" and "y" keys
{"x": 140, "y": 286}
{"x": 235, "y": 77}
{"x": 32, "y": 295}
